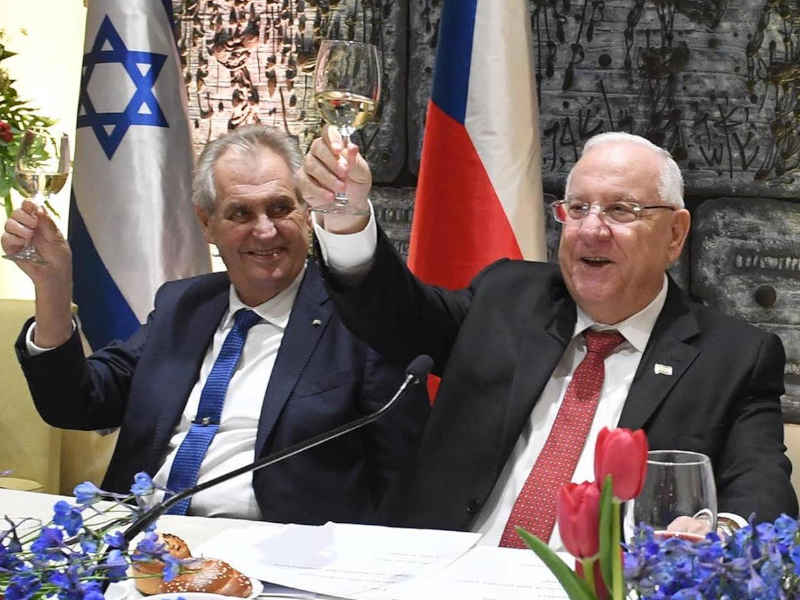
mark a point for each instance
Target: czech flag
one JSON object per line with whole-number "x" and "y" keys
{"x": 479, "y": 192}
{"x": 131, "y": 221}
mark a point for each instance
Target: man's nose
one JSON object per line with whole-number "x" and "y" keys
{"x": 594, "y": 222}
{"x": 264, "y": 226}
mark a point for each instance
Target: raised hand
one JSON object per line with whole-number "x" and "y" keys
{"x": 52, "y": 279}
{"x": 330, "y": 167}
{"x": 30, "y": 224}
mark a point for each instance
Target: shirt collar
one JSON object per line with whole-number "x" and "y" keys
{"x": 637, "y": 328}
{"x": 275, "y": 311}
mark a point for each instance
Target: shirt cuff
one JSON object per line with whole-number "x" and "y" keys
{"x": 727, "y": 523}
{"x": 348, "y": 255}
{"x": 33, "y": 349}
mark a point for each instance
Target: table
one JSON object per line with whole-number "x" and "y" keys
{"x": 341, "y": 559}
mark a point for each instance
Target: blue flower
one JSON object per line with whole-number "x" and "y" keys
{"x": 142, "y": 485}
{"x": 115, "y": 540}
{"x": 795, "y": 555}
{"x": 116, "y": 565}
{"x": 86, "y": 492}
{"x": 62, "y": 559}
{"x": 91, "y": 590}
{"x": 148, "y": 548}
{"x": 688, "y": 594}
{"x": 172, "y": 566}
{"x": 48, "y": 546}
{"x": 22, "y": 586}
{"x": 67, "y": 516}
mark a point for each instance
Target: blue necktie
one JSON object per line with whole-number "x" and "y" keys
{"x": 205, "y": 425}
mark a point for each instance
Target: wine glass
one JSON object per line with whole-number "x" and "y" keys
{"x": 347, "y": 87}
{"x": 678, "y": 484}
{"x": 41, "y": 170}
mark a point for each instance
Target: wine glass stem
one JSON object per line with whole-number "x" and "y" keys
{"x": 340, "y": 198}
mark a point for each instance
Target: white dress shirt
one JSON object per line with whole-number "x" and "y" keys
{"x": 234, "y": 444}
{"x": 620, "y": 368}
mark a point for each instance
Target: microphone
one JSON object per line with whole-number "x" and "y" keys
{"x": 416, "y": 371}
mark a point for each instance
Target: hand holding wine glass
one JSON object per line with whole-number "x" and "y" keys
{"x": 41, "y": 169}
{"x": 347, "y": 86}
{"x": 679, "y": 498}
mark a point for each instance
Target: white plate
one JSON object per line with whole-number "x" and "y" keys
{"x": 126, "y": 590}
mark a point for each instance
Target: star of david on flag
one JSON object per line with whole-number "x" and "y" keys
{"x": 142, "y": 67}
{"x": 131, "y": 222}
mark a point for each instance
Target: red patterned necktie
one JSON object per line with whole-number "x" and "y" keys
{"x": 535, "y": 508}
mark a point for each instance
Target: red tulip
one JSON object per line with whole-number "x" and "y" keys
{"x": 621, "y": 453}
{"x": 578, "y": 518}
{"x": 600, "y": 588}
{"x": 5, "y": 132}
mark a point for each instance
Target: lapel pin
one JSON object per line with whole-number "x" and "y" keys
{"x": 316, "y": 323}
{"x": 662, "y": 369}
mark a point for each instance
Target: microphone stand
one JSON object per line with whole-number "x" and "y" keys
{"x": 416, "y": 372}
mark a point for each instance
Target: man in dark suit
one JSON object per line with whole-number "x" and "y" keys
{"x": 300, "y": 372}
{"x": 507, "y": 346}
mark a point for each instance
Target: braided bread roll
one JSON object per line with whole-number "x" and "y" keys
{"x": 207, "y": 575}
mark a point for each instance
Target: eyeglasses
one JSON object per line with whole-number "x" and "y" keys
{"x": 618, "y": 212}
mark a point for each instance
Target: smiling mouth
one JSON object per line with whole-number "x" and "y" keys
{"x": 272, "y": 252}
{"x": 595, "y": 261}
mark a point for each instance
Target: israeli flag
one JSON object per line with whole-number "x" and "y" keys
{"x": 131, "y": 222}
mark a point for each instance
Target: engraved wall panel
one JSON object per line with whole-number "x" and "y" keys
{"x": 251, "y": 61}
{"x": 394, "y": 209}
{"x": 747, "y": 264}
{"x": 715, "y": 82}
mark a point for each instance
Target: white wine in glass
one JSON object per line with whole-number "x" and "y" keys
{"x": 41, "y": 170}
{"x": 347, "y": 88}
{"x": 346, "y": 111}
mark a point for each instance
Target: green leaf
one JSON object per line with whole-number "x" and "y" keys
{"x": 605, "y": 531}
{"x": 575, "y": 587}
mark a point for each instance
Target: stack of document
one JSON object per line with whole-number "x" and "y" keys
{"x": 360, "y": 562}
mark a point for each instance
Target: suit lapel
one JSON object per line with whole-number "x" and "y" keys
{"x": 310, "y": 315}
{"x": 541, "y": 351}
{"x": 665, "y": 360}
{"x": 192, "y": 336}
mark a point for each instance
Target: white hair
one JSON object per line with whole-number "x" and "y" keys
{"x": 670, "y": 180}
{"x": 248, "y": 139}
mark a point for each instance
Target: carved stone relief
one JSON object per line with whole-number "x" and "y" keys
{"x": 715, "y": 82}
{"x": 747, "y": 264}
{"x": 251, "y": 61}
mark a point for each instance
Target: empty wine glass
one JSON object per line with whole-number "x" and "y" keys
{"x": 679, "y": 498}
{"x": 347, "y": 87}
{"x": 41, "y": 170}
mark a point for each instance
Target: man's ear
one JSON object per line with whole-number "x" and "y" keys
{"x": 202, "y": 218}
{"x": 681, "y": 223}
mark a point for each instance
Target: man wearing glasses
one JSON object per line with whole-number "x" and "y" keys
{"x": 536, "y": 358}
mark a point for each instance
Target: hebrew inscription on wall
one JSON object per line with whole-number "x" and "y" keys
{"x": 716, "y": 82}
{"x": 251, "y": 61}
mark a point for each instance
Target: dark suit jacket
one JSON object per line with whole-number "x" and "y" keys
{"x": 323, "y": 377}
{"x": 496, "y": 344}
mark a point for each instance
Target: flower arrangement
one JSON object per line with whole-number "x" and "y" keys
{"x": 81, "y": 549}
{"x": 756, "y": 562}
{"x": 16, "y": 116}
{"x": 589, "y": 518}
